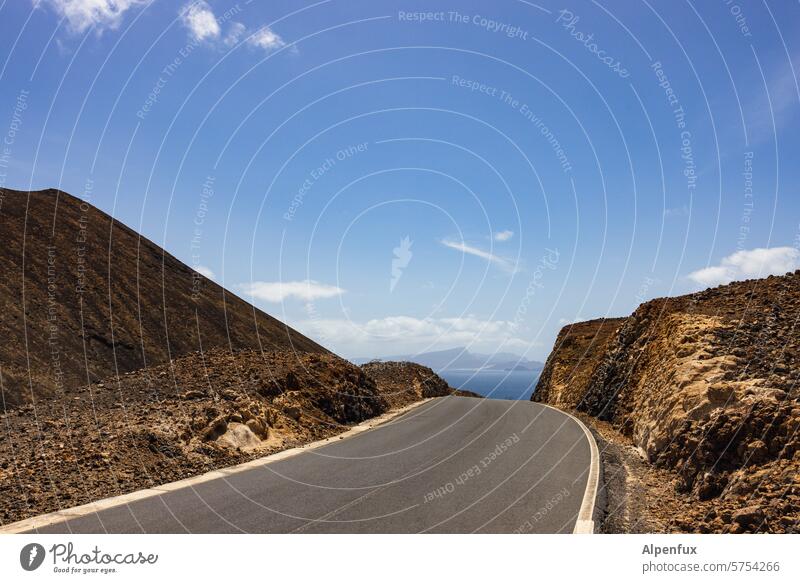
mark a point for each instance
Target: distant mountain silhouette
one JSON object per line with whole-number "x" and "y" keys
{"x": 461, "y": 358}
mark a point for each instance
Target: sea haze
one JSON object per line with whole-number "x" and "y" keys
{"x": 494, "y": 384}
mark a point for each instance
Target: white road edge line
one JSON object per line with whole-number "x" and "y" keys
{"x": 585, "y": 523}
{"x": 93, "y": 507}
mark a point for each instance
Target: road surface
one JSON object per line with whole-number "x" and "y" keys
{"x": 452, "y": 465}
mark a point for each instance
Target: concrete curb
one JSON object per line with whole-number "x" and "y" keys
{"x": 586, "y": 523}
{"x": 93, "y": 507}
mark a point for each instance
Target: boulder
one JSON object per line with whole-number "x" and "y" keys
{"x": 749, "y": 516}
{"x": 756, "y": 452}
{"x": 721, "y": 394}
{"x": 293, "y": 412}
{"x": 258, "y": 427}
{"x": 216, "y": 428}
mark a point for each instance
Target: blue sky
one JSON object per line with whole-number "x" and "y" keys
{"x": 393, "y": 177}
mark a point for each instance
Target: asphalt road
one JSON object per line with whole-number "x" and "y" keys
{"x": 453, "y": 465}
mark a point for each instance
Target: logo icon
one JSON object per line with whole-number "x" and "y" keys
{"x": 402, "y": 256}
{"x": 31, "y": 556}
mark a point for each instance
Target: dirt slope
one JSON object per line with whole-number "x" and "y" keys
{"x": 706, "y": 385}
{"x": 83, "y": 296}
{"x": 169, "y": 422}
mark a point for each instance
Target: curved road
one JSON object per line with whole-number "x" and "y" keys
{"x": 452, "y": 465}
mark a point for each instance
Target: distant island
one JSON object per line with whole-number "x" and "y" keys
{"x": 461, "y": 358}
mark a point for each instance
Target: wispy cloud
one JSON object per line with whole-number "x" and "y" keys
{"x": 503, "y": 235}
{"x": 84, "y": 14}
{"x": 501, "y": 262}
{"x": 235, "y": 32}
{"x": 204, "y": 26}
{"x": 265, "y": 38}
{"x": 278, "y": 291}
{"x": 748, "y": 264}
{"x": 199, "y": 19}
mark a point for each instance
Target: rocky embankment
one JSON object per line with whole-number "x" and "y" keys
{"x": 706, "y": 387}
{"x": 578, "y": 349}
{"x": 402, "y": 383}
{"x": 173, "y": 421}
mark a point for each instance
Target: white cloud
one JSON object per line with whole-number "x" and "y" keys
{"x": 501, "y": 262}
{"x": 235, "y": 31}
{"x": 398, "y": 334}
{"x": 503, "y": 235}
{"x": 203, "y": 25}
{"x": 84, "y": 14}
{"x": 265, "y": 38}
{"x": 203, "y": 270}
{"x": 200, "y": 20}
{"x": 278, "y": 291}
{"x": 748, "y": 264}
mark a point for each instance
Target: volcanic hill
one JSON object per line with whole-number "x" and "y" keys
{"x": 83, "y": 297}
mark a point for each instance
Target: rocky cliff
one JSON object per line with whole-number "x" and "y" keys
{"x": 706, "y": 385}
{"x": 578, "y": 350}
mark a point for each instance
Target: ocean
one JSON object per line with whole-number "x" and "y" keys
{"x": 494, "y": 384}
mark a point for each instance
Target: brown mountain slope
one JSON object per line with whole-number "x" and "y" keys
{"x": 83, "y": 297}
{"x": 706, "y": 385}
